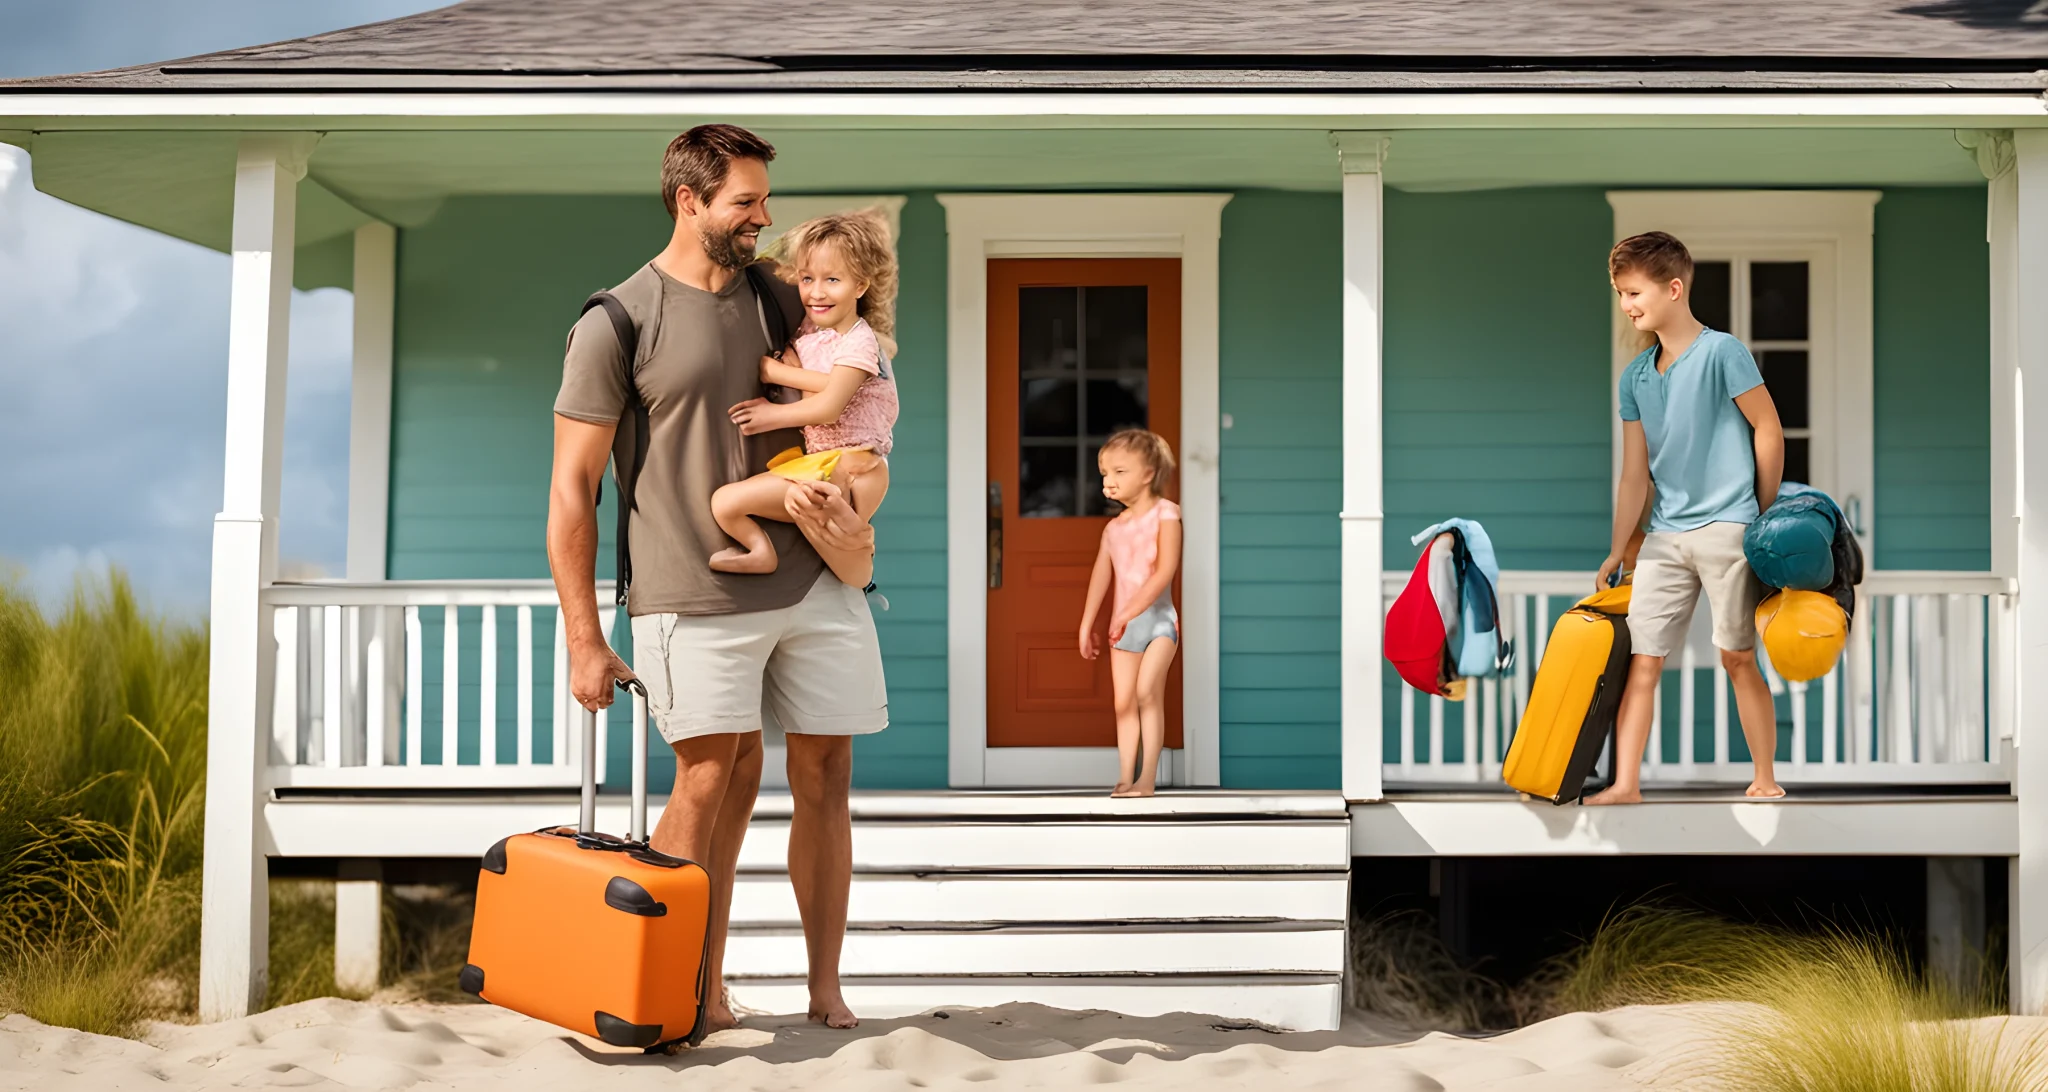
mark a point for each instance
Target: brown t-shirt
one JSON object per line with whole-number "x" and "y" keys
{"x": 699, "y": 354}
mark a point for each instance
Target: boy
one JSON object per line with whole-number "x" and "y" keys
{"x": 1702, "y": 455}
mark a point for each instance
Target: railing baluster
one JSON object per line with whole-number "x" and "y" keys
{"x": 1830, "y": 715}
{"x": 1653, "y": 754}
{"x": 1524, "y": 652}
{"x": 1407, "y": 726}
{"x": 284, "y": 703}
{"x": 1720, "y": 713}
{"x": 1899, "y": 710}
{"x": 1436, "y": 730}
{"x": 1863, "y": 692}
{"x": 1688, "y": 668}
{"x": 451, "y": 682}
{"x": 559, "y": 715}
{"x": 526, "y": 683}
{"x": 312, "y": 676}
{"x": 353, "y": 694}
{"x": 487, "y": 690}
{"x": 604, "y": 622}
{"x": 1965, "y": 679}
{"x": 1489, "y": 726}
{"x": 1798, "y": 692}
{"x": 1469, "y": 739}
{"x": 415, "y": 686}
{"x": 332, "y": 642}
{"x": 376, "y": 686}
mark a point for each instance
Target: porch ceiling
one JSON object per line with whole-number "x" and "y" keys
{"x": 181, "y": 182}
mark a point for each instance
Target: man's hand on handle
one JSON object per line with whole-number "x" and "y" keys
{"x": 595, "y": 673}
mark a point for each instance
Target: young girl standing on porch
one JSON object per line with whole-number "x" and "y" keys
{"x": 1140, "y": 554}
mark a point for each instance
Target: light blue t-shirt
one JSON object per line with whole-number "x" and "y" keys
{"x": 1702, "y": 450}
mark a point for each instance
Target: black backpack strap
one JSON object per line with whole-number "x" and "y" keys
{"x": 774, "y": 324}
{"x": 636, "y": 411}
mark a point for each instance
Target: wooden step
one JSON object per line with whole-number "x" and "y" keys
{"x": 766, "y": 898}
{"x": 1290, "y": 1002}
{"x": 980, "y": 846}
{"x": 914, "y": 948}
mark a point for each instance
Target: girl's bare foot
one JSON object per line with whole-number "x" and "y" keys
{"x": 1123, "y": 788}
{"x": 1763, "y": 789}
{"x": 1141, "y": 788}
{"x": 736, "y": 560}
{"x": 1613, "y": 794}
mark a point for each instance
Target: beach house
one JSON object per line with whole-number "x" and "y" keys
{"x": 1349, "y": 257}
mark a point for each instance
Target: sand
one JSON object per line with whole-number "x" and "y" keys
{"x": 348, "y": 1044}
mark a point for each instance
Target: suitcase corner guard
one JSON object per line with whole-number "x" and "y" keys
{"x": 617, "y": 1032}
{"x": 623, "y": 894}
{"x": 471, "y": 980}
{"x": 494, "y": 857}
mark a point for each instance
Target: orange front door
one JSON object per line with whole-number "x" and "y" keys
{"x": 1077, "y": 348}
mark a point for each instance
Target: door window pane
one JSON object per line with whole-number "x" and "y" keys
{"x": 1798, "y": 462}
{"x": 1711, "y": 295}
{"x": 1777, "y": 301}
{"x": 1048, "y": 329}
{"x": 1785, "y": 373}
{"x": 1082, "y": 355}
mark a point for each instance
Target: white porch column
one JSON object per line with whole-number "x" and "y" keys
{"x": 1359, "y": 667}
{"x": 2029, "y": 248}
{"x": 369, "y": 404}
{"x": 234, "y": 930}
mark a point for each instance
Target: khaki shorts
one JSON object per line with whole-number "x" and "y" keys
{"x": 1672, "y": 570}
{"x": 813, "y": 669}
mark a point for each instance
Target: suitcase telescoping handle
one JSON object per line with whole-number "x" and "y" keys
{"x": 587, "y": 821}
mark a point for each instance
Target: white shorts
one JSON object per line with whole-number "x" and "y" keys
{"x": 812, "y": 669}
{"x": 1671, "y": 572}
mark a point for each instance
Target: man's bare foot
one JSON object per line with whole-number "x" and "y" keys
{"x": 1763, "y": 789}
{"x": 736, "y": 560}
{"x": 1613, "y": 794}
{"x": 833, "y": 1014}
{"x": 719, "y": 1017}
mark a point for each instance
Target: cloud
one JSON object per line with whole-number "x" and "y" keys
{"x": 113, "y": 386}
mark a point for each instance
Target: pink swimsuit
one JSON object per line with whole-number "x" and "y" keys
{"x": 1133, "y": 543}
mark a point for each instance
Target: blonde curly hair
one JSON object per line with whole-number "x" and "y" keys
{"x": 863, "y": 241}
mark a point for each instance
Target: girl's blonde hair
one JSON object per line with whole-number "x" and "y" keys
{"x": 1152, "y": 448}
{"x": 863, "y": 241}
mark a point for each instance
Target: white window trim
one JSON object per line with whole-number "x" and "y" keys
{"x": 1832, "y": 230}
{"x": 983, "y": 226}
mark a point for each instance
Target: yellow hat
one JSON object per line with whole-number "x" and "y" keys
{"x": 1803, "y": 632}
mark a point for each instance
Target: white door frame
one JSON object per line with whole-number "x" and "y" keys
{"x": 984, "y": 226}
{"x": 1832, "y": 230}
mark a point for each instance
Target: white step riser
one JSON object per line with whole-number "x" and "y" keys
{"x": 768, "y": 899}
{"x": 1110, "y": 952}
{"x": 1041, "y": 804}
{"x": 1305, "y": 1007}
{"x": 917, "y": 847}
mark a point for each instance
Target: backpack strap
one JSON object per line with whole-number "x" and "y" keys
{"x": 636, "y": 411}
{"x": 774, "y": 324}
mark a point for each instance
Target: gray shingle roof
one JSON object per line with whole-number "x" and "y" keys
{"x": 1174, "y": 44}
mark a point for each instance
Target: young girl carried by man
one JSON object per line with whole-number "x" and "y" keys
{"x": 844, "y": 266}
{"x": 1139, "y": 556}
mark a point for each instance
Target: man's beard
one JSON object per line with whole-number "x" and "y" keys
{"x": 727, "y": 248}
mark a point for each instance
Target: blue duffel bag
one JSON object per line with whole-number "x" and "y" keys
{"x": 1794, "y": 543}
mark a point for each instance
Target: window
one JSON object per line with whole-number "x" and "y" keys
{"x": 1767, "y": 305}
{"x": 1081, "y": 375}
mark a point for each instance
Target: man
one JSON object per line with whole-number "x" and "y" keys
{"x": 719, "y": 652}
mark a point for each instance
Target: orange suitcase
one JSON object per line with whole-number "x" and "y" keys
{"x": 597, "y": 934}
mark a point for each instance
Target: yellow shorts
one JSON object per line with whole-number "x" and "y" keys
{"x": 815, "y": 467}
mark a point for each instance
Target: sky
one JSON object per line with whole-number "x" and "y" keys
{"x": 113, "y": 340}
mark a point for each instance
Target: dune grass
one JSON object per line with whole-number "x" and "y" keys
{"x": 1833, "y": 1011}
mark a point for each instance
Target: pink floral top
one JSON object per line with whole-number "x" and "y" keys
{"x": 1134, "y": 549}
{"x": 869, "y": 419}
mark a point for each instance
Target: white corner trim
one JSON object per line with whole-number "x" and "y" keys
{"x": 795, "y": 209}
{"x": 981, "y": 226}
{"x": 369, "y": 401}
{"x": 1834, "y": 231}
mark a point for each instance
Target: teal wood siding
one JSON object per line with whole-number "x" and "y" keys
{"x": 1933, "y": 380}
{"x": 1281, "y": 382}
{"x": 486, "y": 293}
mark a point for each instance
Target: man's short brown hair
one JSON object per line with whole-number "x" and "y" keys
{"x": 702, "y": 157}
{"x": 1654, "y": 254}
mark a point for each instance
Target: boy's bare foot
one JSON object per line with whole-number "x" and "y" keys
{"x": 1762, "y": 789}
{"x": 1613, "y": 794}
{"x": 736, "y": 560}
{"x": 832, "y": 1013}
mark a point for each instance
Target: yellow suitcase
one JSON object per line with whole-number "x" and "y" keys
{"x": 1573, "y": 701}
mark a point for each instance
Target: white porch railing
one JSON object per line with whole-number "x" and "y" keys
{"x": 1919, "y": 697}
{"x": 425, "y": 684}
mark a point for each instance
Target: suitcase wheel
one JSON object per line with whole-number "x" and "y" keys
{"x": 471, "y": 980}
{"x": 618, "y": 1032}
